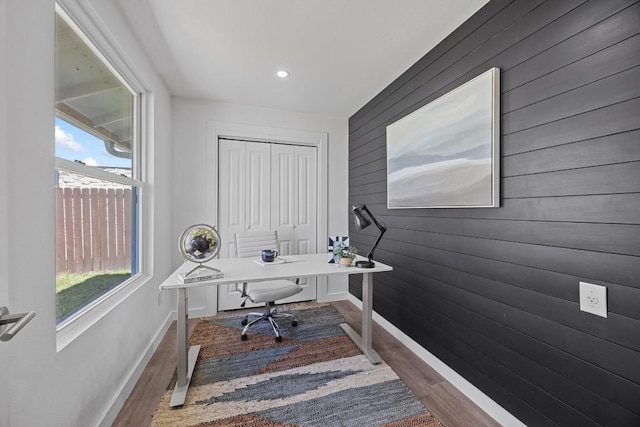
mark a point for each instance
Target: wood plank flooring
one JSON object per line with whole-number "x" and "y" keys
{"x": 441, "y": 398}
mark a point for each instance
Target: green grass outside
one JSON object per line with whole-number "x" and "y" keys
{"x": 75, "y": 290}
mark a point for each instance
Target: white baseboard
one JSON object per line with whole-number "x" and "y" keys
{"x": 333, "y": 297}
{"x": 483, "y": 401}
{"x": 134, "y": 375}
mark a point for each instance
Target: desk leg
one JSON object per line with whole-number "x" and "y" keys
{"x": 365, "y": 341}
{"x": 186, "y": 356}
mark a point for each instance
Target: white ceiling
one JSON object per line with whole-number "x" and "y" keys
{"x": 340, "y": 53}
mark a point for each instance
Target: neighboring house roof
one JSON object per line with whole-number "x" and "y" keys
{"x": 66, "y": 179}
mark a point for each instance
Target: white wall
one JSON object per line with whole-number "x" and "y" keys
{"x": 84, "y": 383}
{"x": 4, "y": 286}
{"x": 190, "y": 118}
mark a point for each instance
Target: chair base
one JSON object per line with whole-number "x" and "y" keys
{"x": 269, "y": 315}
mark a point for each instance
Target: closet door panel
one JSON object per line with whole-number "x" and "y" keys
{"x": 305, "y": 207}
{"x": 283, "y": 196}
{"x": 231, "y": 194}
{"x": 258, "y": 190}
{"x": 306, "y": 199}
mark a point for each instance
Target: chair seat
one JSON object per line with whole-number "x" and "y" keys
{"x": 284, "y": 290}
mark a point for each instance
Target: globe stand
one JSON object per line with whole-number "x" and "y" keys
{"x": 197, "y": 271}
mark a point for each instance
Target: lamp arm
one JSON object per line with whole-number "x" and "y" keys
{"x": 375, "y": 245}
{"x": 381, "y": 227}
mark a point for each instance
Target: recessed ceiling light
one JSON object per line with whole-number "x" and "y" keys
{"x": 282, "y": 74}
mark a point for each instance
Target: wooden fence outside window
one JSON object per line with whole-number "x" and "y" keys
{"x": 93, "y": 229}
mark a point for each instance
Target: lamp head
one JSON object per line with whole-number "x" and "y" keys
{"x": 360, "y": 220}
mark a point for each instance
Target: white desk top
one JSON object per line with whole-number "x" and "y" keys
{"x": 246, "y": 270}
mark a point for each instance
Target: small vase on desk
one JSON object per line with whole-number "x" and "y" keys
{"x": 345, "y": 262}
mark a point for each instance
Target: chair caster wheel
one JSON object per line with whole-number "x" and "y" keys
{"x": 294, "y": 323}
{"x": 278, "y": 339}
{"x": 244, "y": 322}
{"x": 243, "y": 337}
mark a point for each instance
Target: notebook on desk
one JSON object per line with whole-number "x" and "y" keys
{"x": 280, "y": 260}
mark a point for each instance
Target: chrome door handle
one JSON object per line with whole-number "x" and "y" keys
{"x": 20, "y": 319}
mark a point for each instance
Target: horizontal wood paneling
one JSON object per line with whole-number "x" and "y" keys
{"x": 603, "y": 64}
{"x": 620, "y": 148}
{"x": 601, "y": 93}
{"x": 494, "y": 292}
{"x": 607, "y": 179}
{"x": 574, "y": 36}
{"x": 593, "y": 124}
{"x": 477, "y": 313}
{"x": 607, "y": 208}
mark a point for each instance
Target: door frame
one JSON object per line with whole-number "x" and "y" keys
{"x": 216, "y": 129}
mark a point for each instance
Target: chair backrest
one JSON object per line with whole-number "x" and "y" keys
{"x": 252, "y": 243}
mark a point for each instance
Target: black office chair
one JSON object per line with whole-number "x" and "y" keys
{"x": 251, "y": 244}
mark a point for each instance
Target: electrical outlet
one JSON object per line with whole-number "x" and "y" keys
{"x": 593, "y": 299}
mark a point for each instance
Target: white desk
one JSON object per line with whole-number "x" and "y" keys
{"x": 238, "y": 270}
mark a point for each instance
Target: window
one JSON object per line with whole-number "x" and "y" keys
{"x": 97, "y": 180}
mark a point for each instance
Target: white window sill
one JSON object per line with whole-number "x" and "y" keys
{"x": 78, "y": 324}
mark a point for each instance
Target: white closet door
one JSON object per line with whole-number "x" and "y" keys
{"x": 260, "y": 185}
{"x": 293, "y": 204}
{"x": 244, "y": 194}
{"x": 244, "y": 202}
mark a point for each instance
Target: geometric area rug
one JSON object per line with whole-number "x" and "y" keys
{"x": 315, "y": 377}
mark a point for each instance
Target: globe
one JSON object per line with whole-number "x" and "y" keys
{"x": 199, "y": 243}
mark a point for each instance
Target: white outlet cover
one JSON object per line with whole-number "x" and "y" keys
{"x": 593, "y": 299}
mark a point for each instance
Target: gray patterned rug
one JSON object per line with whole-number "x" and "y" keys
{"x": 315, "y": 377}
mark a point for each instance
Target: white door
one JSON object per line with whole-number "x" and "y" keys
{"x": 294, "y": 204}
{"x": 260, "y": 185}
{"x": 244, "y": 194}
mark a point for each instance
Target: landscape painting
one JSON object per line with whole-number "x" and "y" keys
{"x": 447, "y": 153}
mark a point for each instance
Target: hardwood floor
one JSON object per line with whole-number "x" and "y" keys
{"x": 441, "y": 398}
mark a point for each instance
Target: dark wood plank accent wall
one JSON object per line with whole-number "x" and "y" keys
{"x": 494, "y": 292}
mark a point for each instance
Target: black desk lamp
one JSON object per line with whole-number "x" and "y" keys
{"x": 361, "y": 223}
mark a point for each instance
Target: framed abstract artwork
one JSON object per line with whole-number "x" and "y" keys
{"x": 447, "y": 153}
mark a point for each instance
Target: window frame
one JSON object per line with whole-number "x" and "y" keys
{"x": 77, "y": 18}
